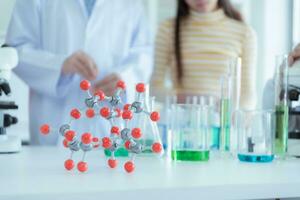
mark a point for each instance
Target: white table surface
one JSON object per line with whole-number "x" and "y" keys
{"x": 38, "y": 173}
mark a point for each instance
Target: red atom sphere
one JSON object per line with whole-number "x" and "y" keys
{"x": 140, "y": 87}
{"x": 105, "y": 112}
{"x": 70, "y": 135}
{"x": 106, "y": 142}
{"x": 45, "y": 129}
{"x": 115, "y": 130}
{"x": 121, "y": 84}
{"x": 69, "y": 164}
{"x": 86, "y": 138}
{"x": 127, "y": 144}
{"x": 112, "y": 163}
{"x": 65, "y": 143}
{"x": 119, "y": 112}
{"x": 127, "y": 114}
{"x": 75, "y": 113}
{"x": 127, "y": 106}
{"x": 90, "y": 113}
{"x": 155, "y": 116}
{"x": 136, "y": 133}
{"x": 85, "y": 85}
{"x": 82, "y": 166}
{"x": 96, "y": 142}
{"x": 100, "y": 94}
{"x": 156, "y": 147}
{"x": 129, "y": 166}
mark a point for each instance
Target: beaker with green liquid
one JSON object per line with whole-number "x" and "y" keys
{"x": 189, "y": 132}
{"x": 281, "y": 105}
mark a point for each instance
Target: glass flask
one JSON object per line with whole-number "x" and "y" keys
{"x": 149, "y": 129}
{"x": 190, "y": 127}
{"x": 256, "y": 132}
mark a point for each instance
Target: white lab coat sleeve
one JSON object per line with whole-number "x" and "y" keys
{"x": 38, "y": 68}
{"x": 138, "y": 65}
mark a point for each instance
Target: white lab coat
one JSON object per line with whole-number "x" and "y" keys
{"x": 46, "y": 32}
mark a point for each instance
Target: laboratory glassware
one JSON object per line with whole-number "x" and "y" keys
{"x": 190, "y": 129}
{"x": 281, "y": 105}
{"x": 256, "y": 133}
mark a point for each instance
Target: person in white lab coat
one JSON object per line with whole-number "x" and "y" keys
{"x": 62, "y": 42}
{"x": 268, "y": 92}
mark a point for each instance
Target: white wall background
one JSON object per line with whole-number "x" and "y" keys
{"x": 272, "y": 20}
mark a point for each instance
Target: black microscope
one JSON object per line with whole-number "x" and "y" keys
{"x": 8, "y": 60}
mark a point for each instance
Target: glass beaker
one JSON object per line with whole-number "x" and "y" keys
{"x": 281, "y": 105}
{"x": 190, "y": 128}
{"x": 256, "y": 132}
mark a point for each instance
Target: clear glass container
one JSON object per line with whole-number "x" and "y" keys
{"x": 190, "y": 127}
{"x": 256, "y": 132}
{"x": 214, "y": 137}
{"x": 230, "y": 98}
{"x": 281, "y": 105}
{"x": 149, "y": 129}
{"x": 225, "y": 114}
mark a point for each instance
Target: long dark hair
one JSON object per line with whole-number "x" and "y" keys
{"x": 183, "y": 12}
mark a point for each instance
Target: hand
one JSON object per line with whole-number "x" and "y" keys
{"x": 294, "y": 55}
{"x": 108, "y": 84}
{"x": 80, "y": 63}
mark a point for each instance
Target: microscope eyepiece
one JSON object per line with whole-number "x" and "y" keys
{"x": 4, "y": 86}
{"x": 9, "y": 120}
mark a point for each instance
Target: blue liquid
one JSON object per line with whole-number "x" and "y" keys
{"x": 256, "y": 158}
{"x": 215, "y": 138}
{"x": 164, "y": 133}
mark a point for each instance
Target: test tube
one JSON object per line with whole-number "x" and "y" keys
{"x": 225, "y": 117}
{"x": 215, "y": 124}
{"x": 234, "y": 67}
{"x": 230, "y": 98}
{"x": 281, "y": 105}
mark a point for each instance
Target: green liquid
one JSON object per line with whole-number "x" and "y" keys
{"x": 282, "y": 117}
{"x": 121, "y": 152}
{"x": 186, "y": 155}
{"x": 225, "y": 124}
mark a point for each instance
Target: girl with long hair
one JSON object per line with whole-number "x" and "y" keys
{"x": 195, "y": 48}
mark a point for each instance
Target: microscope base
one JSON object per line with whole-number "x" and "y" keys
{"x": 10, "y": 144}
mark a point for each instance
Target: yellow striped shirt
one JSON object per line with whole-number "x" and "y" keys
{"x": 208, "y": 41}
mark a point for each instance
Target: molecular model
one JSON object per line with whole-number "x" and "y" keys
{"x": 126, "y": 136}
